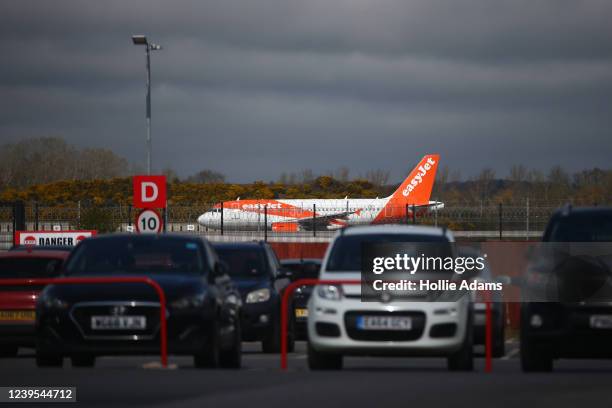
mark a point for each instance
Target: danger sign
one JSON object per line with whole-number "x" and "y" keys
{"x": 149, "y": 191}
{"x": 51, "y": 238}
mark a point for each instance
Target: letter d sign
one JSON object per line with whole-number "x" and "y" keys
{"x": 149, "y": 191}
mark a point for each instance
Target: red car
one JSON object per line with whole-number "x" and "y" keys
{"x": 18, "y": 303}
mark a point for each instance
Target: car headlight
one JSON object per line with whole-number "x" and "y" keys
{"x": 259, "y": 295}
{"x": 189, "y": 301}
{"x": 329, "y": 292}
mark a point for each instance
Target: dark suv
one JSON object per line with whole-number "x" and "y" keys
{"x": 567, "y": 309}
{"x": 256, "y": 271}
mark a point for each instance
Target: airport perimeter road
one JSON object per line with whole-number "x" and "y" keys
{"x": 366, "y": 382}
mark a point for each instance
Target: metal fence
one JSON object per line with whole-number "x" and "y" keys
{"x": 477, "y": 222}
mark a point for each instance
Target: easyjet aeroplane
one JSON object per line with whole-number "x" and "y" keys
{"x": 305, "y": 214}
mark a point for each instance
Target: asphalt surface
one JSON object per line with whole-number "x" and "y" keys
{"x": 365, "y": 382}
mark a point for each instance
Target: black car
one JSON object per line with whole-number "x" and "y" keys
{"x": 83, "y": 321}
{"x": 256, "y": 271}
{"x": 567, "y": 312}
{"x": 306, "y": 268}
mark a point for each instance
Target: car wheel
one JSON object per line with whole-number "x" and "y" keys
{"x": 48, "y": 359}
{"x": 208, "y": 356}
{"x": 232, "y": 358}
{"x": 8, "y": 350}
{"x": 323, "y": 361}
{"x": 83, "y": 360}
{"x": 463, "y": 359}
{"x": 533, "y": 358}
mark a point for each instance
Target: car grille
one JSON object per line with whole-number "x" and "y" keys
{"x": 418, "y": 325}
{"x": 82, "y": 312}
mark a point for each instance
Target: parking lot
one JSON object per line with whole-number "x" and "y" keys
{"x": 365, "y": 381}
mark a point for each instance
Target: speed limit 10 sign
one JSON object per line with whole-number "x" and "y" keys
{"x": 148, "y": 221}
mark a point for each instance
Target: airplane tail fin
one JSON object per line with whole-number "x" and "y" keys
{"x": 416, "y": 188}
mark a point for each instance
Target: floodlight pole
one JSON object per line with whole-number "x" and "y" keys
{"x": 149, "y": 144}
{"x": 142, "y": 40}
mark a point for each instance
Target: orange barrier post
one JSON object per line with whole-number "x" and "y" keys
{"x": 163, "y": 346}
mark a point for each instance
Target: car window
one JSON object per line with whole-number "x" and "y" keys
{"x": 346, "y": 252}
{"x": 137, "y": 256}
{"x": 16, "y": 268}
{"x": 244, "y": 262}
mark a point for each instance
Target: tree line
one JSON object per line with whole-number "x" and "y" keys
{"x": 50, "y": 171}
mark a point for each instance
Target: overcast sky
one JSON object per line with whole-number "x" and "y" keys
{"x": 253, "y": 88}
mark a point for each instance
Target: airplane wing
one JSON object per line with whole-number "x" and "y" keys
{"x": 321, "y": 221}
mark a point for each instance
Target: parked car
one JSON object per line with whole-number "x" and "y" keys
{"x": 303, "y": 268}
{"x": 83, "y": 321}
{"x": 498, "y": 308}
{"x": 256, "y": 271}
{"x": 18, "y": 303}
{"x": 579, "y": 324}
{"x": 340, "y": 324}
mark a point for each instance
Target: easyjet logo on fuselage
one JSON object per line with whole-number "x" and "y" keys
{"x": 418, "y": 178}
{"x": 261, "y": 206}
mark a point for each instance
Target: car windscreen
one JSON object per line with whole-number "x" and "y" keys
{"x": 305, "y": 270}
{"x": 137, "y": 256}
{"x": 346, "y": 253}
{"x": 244, "y": 262}
{"x": 582, "y": 228}
{"x": 16, "y": 268}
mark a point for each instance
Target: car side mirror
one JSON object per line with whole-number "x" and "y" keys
{"x": 221, "y": 268}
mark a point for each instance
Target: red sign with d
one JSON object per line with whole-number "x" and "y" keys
{"x": 149, "y": 191}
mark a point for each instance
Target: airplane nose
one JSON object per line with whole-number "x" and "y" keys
{"x": 202, "y": 219}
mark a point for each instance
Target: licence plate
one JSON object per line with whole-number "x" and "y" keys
{"x": 17, "y": 315}
{"x": 301, "y": 312}
{"x": 118, "y": 322}
{"x": 384, "y": 323}
{"x": 601, "y": 322}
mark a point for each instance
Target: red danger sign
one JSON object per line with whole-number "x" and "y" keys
{"x": 149, "y": 191}
{"x": 51, "y": 238}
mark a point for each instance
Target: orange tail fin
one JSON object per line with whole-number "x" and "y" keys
{"x": 417, "y": 187}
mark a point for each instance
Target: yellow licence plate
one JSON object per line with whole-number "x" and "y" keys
{"x": 17, "y": 315}
{"x": 301, "y": 312}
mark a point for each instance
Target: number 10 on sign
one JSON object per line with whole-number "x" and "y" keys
{"x": 148, "y": 221}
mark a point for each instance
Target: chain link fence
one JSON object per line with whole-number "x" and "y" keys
{"x": 470, "y": 222}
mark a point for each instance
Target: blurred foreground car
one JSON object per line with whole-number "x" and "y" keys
{"x": 307, "y": 268}
{"x": 88, "y": 320}
{"x": 579, "y": 325}
{"x": 256, "y": 271}
{"x": 498, "y": 308}
{"x": 340, "y": 324}
{"x": 18, "y": 303}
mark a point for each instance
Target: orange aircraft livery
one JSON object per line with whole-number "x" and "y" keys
{"x": 327, "y": 214}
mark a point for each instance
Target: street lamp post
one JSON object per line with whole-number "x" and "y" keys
{"x": 142, "y": 40}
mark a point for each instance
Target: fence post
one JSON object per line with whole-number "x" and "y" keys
{"x": 79, "y": 214}
{"x": 266, "y": 223}
{"x": 36, "y": 216}
{"x": 18, "y": 217}
{"x": 314, "y": 220}
{"x": 407, "y": 214}
{"x": 222, "y": 213}
{"x": 527, "y": 222}
{"x": 166, "y": 217}
{"x": 500, "y": 222}
{"x": 413, "y": 214}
